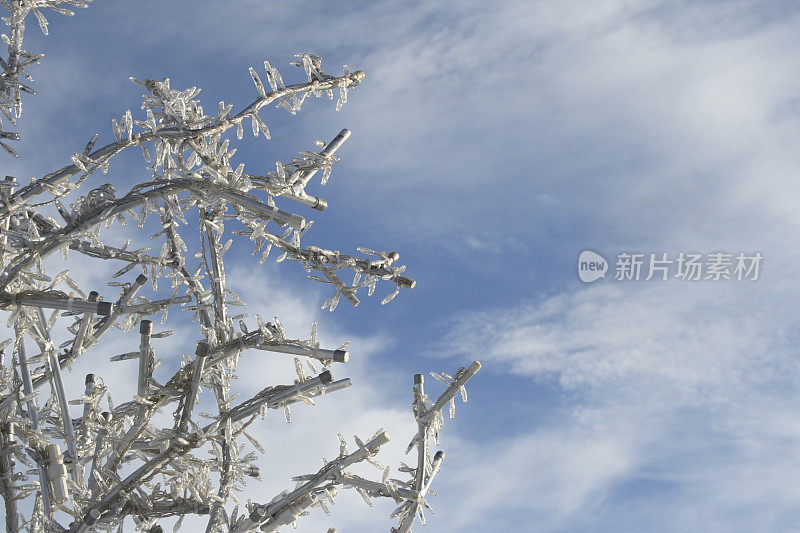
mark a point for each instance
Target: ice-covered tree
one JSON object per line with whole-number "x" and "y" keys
{"x": 62, "y": 472}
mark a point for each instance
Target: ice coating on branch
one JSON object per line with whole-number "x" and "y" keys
{"x": 16, "y": 63}
{"x": 121, "y": 459}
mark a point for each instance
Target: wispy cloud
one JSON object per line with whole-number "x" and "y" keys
{"x": 683, "y": 395}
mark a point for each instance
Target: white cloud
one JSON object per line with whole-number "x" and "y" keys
{"x": 685, "y": 391}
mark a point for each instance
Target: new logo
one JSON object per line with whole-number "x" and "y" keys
{"x": 591, "y": 266}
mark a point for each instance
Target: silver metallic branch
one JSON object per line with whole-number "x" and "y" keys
{"x": 91, "y": 472}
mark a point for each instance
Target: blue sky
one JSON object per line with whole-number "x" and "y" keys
{"x": 492, "y": 143}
